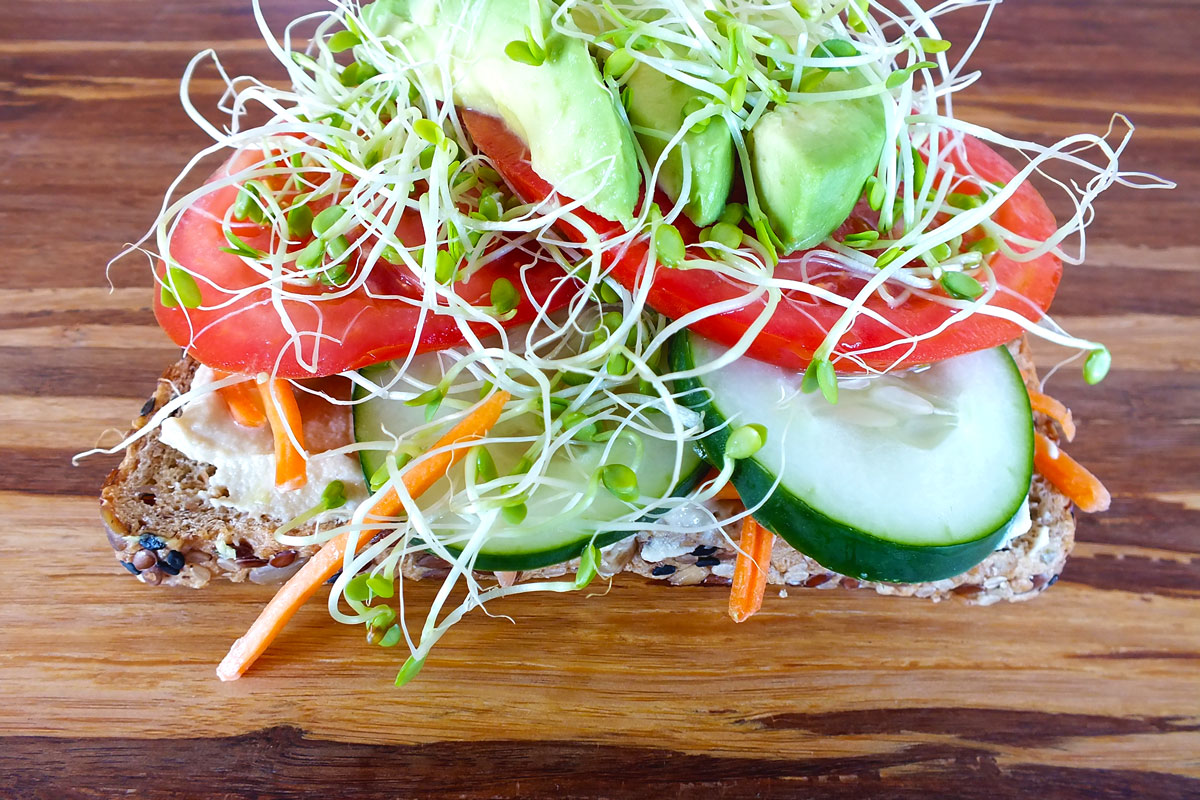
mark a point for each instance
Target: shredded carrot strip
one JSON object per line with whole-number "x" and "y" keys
{"x": 321, "y": 567}
{"x": 279, "y": 403}
{"x": 1045, "y": 404}
{"x": 428, "y": 471}
{"x": 245, "y": 405}
{"x": 727, "y": 492}
{"x": 1069, "y": 476}
{"x": 283, "y": 606}
{"x": 750, "y": 571}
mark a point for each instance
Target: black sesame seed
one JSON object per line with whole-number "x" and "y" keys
{"x": 175, "y": 559}
{"x": 707, "y": 561}
{"x": 1052, "y": 581}
{"x": 703, "y": 550}
{"x": 167, "y": 568}
{"x": 335, "y": 576}
{"x": 151, "y": 542}
{"x": 662, "y": 569}
{"x": 148, "y": 407}
{"x": 131, "y": 568}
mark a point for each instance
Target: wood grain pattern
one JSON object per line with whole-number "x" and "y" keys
{"x": 561, "y": 770}
{"x": 1093, "y": 690}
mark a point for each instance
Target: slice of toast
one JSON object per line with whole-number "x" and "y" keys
{"x": 164, "y": 530}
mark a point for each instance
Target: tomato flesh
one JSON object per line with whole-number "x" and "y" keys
{"x": 799, "y": 324}
{"x": 239, "y": 328}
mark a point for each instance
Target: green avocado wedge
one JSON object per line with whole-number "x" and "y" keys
{"x": 918, "y": 478}
{"x": 656, "y": 110}
{"x": 578, "y": 139}
{"x": 811, "y": 159}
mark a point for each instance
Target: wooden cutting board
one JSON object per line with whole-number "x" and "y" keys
{"x": 107, "y": 686}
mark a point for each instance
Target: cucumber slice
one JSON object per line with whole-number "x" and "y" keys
{"x": 556, "y": 526}
{"x": 909, "y": 478}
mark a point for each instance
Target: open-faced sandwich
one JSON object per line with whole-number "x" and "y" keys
{"x": 512, "y": 293}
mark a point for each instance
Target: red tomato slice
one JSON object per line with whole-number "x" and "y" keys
{"x": 239, "y": 329}
{"x": 800, "y": 322}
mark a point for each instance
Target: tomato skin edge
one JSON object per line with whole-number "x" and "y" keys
{"x": 793, "y": 334}
{"x": 238, "y": 328}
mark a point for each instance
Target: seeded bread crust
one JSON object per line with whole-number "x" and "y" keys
{"x": 164, "y": 530}
{"x": 155, "y": 508}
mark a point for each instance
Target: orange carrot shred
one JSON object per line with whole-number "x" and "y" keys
{"x": 1045, "y": 404}
{"x": 279, "y": 403}
{"x": 425, "y": 473}
{"x": 245, "y": 405}
{"x": 750, "y": 571}
{"x": 727, "y": 492}
{"x": 322, "y": 566}
{"x": 1069, "y": 476}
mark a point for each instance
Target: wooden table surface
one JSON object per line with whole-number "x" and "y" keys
{"x": 107, "y": 686}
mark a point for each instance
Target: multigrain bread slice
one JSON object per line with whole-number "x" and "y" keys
{"x": 164, "y": 530}
{"x": 161, "y": 524}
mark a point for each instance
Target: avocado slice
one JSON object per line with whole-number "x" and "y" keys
{"x": 811, "y": 160}
{"x": 578, "y": 141}
{"x": 656, "y": 109}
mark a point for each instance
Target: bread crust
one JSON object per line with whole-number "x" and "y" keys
{"x": 156, "y": 494}
{"x": 157, "y": 497}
